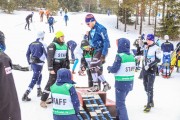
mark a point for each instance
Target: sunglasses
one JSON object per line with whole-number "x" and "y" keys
{"x": 85, "y": 47}
{"x": 88, "y": 23}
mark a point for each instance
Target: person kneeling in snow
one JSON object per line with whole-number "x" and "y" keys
{"x": 123, "y": 69}
{"x": 65, "y": 99}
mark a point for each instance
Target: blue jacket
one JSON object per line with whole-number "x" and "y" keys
{"x": 37, "y": 50}
{"x": 51, "y": 20}
{"x": 66, "y": 18}
{"x": 64, "y": 76}
{"x": 123, "y": 47}
{"x": 167, "y": 47}
{"x": 99, "y": 39}
{"x": 71, "y": 44}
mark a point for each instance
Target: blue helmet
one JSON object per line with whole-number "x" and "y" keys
{"x": 150, "y": 37}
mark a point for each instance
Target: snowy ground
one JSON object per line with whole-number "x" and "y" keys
{"x": 166, "y": 95}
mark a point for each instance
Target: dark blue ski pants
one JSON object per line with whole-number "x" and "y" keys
{"x": 120, "y": 104}
{"x": 148, "y": 82}
{"x": 37, "y": 76}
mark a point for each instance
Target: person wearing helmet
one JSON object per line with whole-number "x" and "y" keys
{"x": 167, "y": 48}
{"x": 28, "y": 18}
{"x": 152, "y": 56}
{"x": 10, "y": 108}
{"x": 99, "y": 42}
{"x": 57, "y": 57}
{"x": 86, "y": 60}
{"x": 36, "y": 55}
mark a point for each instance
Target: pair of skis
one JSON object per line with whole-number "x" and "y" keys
{"x": 96, "y": 108}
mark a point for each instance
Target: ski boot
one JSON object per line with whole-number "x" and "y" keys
{"x": 106, "y": 86}
{"x": 39, "y": 92}
{"x": 25, "y": 96}
{"x": 147, "y": 109}
{"x": 94, "y": 88}
{"x": 73, "y": 72}
{"x": 43, "y": 104}
{"x": 49, "y": 101}
{"x": 151, "y": 104}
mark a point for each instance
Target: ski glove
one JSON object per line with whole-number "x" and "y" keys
{"x": 146, "y": 67}
{"x": 102, "y": 59}
{"x": 108, "y": 68}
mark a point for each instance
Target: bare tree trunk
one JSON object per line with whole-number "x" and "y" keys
{"x": 141, "y": 15}
{"x": 149, "y": 19}
{"x": 125, "y": 25}
{"x": 163, "y": 11}
{"x": 156, "y": 11}
{"x": 137, "y": 12}
{"x": 89, "y": 7}
{"x": 118, "y": 17}
{"x": 117, "y": 22}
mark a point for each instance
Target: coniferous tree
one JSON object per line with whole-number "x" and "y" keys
{"x": 170, "y": 23}
{"x": 71, "y": 5}
{"x": 53, "y": 6}
{"x": 8, "y": 6}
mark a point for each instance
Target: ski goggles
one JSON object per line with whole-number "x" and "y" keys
{"x": 85, "y": 47}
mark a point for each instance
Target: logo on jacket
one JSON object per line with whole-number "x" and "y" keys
{"x": 8, "y": 70}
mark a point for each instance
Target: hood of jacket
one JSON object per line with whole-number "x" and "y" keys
{"x": 64, "y": 76}
{"x": 123, "y": 45}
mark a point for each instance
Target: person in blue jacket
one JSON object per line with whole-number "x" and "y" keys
{"x": 123, "y": 69}
{"x": 72, "y": 45}
{"x": 51, "y": 22}
{"x": 36, "y": 55}
{"x": 99, "y": 42}
{"x": 64, "y": 96}
{"x": 66, "y": 18}
{"x": 167, "y": 48}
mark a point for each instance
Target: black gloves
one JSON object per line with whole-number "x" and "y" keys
{"x": 108, "y": 68}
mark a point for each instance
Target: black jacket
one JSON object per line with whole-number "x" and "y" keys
{"x": 52, "y": 65}
{"x": 9, "y": 104}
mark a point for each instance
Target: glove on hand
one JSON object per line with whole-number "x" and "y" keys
{"x": 146, "y": 67}
{"x": 108, "y": 68}
{"x": 102, "y": 59}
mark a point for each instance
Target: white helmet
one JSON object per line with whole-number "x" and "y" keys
{"x": 166, "y": 37}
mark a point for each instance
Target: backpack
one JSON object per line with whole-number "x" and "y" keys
{"x": 51, "y": 20}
